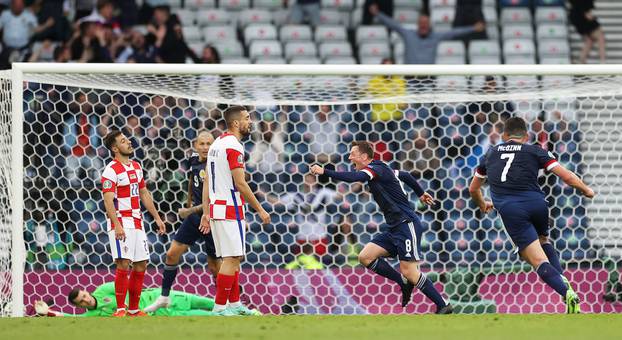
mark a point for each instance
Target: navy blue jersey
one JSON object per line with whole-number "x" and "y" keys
{"x": 512, "y": 169}
{"x": 386, "y": 189}
{"x": 196, "y": 174}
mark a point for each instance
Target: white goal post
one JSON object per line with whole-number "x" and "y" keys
{"x": 583, "y": 100}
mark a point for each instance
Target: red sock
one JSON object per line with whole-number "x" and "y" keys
{"x": 120, "y": 286}
{"x": 235, "y": 288}
{"x": 223, "y": 288}
{"x": 136, "y": 287}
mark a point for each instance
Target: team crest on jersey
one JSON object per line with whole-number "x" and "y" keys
{"x": 107, "y": 184}
{"x": 132, "y": 176}
{"x": 202, "y": 173}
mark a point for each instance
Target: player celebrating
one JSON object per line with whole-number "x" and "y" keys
{"x": 402, "y": 239}
{"x": 123, "y": 189}
{"x": 512, "y": 171}
{"x": 189, "y": 232}
{"x": 224, "y": 192}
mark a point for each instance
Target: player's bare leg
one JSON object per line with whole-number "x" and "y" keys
{"x": 410, "y": 270}
{"x": 121, "y": 282}
{"x": 536, "y": 257}
{"x": 173, "y": 256}
{"x": 372, "y": 257}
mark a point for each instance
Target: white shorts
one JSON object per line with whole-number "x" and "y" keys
{"x": 229, "y": 237}
{"x": 135, "y": 247}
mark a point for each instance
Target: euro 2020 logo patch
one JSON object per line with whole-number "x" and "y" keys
{"x": 202, "y": 173}
{"x": 107, "y": 184}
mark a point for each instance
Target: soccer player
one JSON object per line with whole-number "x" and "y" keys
{"x": 189, "y": 232}
{"x": 224, "y": 192}
{"x": 101, "y": 302}
{"x": 511, "y": 169}
{"x": 123, "y": 187}
{"x": 402, "y": 238}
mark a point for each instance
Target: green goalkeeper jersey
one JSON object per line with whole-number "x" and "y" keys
{"x": 181, "y": 303}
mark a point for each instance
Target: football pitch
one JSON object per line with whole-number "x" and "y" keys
{"x": 455, "y": 327}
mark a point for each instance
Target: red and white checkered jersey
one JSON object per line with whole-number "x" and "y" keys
{"x": 225, "y": 154}
{"x": 125, "y": 180}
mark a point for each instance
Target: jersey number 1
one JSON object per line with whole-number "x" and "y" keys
{"x": 508, "y": 164}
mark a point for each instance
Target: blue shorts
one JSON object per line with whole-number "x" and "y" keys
{"x": 402, "y": 241}
{"x": 524, "y": 221}
{"x": 189, "y": 233}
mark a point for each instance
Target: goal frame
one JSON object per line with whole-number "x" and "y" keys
{"x": 20, "y": 70}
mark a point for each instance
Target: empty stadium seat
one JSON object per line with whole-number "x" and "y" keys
{"x": 330, "y": 17}
{"x": 280, "y": 17}
{"x": 484, "y": 48}
{"x": 186, "y": 17}
{"x": 515, "y": 3}
{"x": 174, "y": 3}
{"x": 406, "y": 16}
{"x": 213, "y": 34}
{"x": 199, "y": 4}
{"x": 371, "y": 33}
{"x": 191, "y": 34}
{"x": 412, "y": 4}
{"x": 236, "y": 60}
{"x": 330, "y": 32}
{"x": 514, "y": 47}
{"x": 341, "y": 5}
{"x": 377, "y": 49}
{"x": 485, "y": 60}
{"x": 295, "y": 32}
{"x": 442, "y": 3}
{"x": 335, "y": 49}
{"x": 300, "y": 49}
{"x": 521, "y": 59}
{"x": 515, "y": 16}
{"x": 229, "y": 49}
{"x": 213, "y": 17}
{"x": 259, "y": 32}
{"x": 269, "y": 60}
{"x": 444, "y": 60}
{"x": 234, "y": 5}
{"x": 443, "y": 16}
{"x": 305, "y": 60}
{"x": 553, "y": 48}
{"x": 521, "y": 31}
{"x": 551, "y": 15}
{"x": 265, "y": 49}
{"x": 356, "y": 18}
{"x": 339, "y": 60}
{"x": 555, "y": 60}
{"x": 371, "y": 60}
{"x": 268, "y": 4}
{"x": 451, "y": 49}
{"x": 254, "y": 16}
{"x": 552, "y": 31}
{"x": 490, "y": 15}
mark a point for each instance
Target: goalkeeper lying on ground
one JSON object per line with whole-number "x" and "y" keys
{"x": 102, "y": 303}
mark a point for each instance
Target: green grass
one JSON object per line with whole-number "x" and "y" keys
{"x": 415, "y": 327}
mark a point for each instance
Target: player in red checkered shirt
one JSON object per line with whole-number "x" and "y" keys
{"x": 123, "y": 188}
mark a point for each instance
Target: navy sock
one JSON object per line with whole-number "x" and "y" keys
{"x": 551, "y": 254}
{"x": 168, "y": 277}
{"x": 552, "y": 277}
{"x": 383, "y": 268}
{"x": 427, "y": 288}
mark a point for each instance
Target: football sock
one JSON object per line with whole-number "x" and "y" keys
{"x": 551, "y": 254}
{"x": 135, "y": 288}
{"x": 234, "y": 296}
{"x": 223, "y": 290}
{"x": 383, "y": 268}
{"x": 427, "y": 288}
{"x": 120, "y": 287}
{"x": 168, "y": 277}
{"x": 552, "y": 277}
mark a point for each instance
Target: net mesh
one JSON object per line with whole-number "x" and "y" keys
{"x": 435, "y": 127}
{"x": 5, "y": 194}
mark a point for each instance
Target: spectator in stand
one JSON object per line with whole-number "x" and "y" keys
{"x": 302, "y": 10}
{"x": 587, "y": 25}
{"x": 104, "y": 15}
{"x": 420, "y": 44}
{"x": 18, "y": 25}
{"x": 54, "y": 9}
{"x": 62, "y": 54}
{"x": 165, "y": 33}
{"x": 137, "y": 51}
{"x": 322, "y": 135}
{"x": 269, "y": 151}
{"x": 210, "y": 55}
{"x": 468, "y": 13}
{"x": 88, "y": 45}
{"x": 385, "y": 6}
{"x": 387, "y": 86}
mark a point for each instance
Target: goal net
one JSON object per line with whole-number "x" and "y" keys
{"x": 434, "y": 121}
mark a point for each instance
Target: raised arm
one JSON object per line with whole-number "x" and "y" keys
{"x": 346, "y": 176}
{"x": 460, "y": 31}
{"x": 391, "y": 23}
{"x": 573, "y": 180}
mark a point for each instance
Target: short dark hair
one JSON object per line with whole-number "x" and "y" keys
{"x": 111, "y": 138}
{"x": 73, "y": 294}
{"x": 364, "y": 147}
{"x": 232, "y": 113}
{"x": 515, "y": 126}
{"x": 103, "y": 3}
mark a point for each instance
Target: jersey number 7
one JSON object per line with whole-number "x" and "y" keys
{"x": 508, "y": 164}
